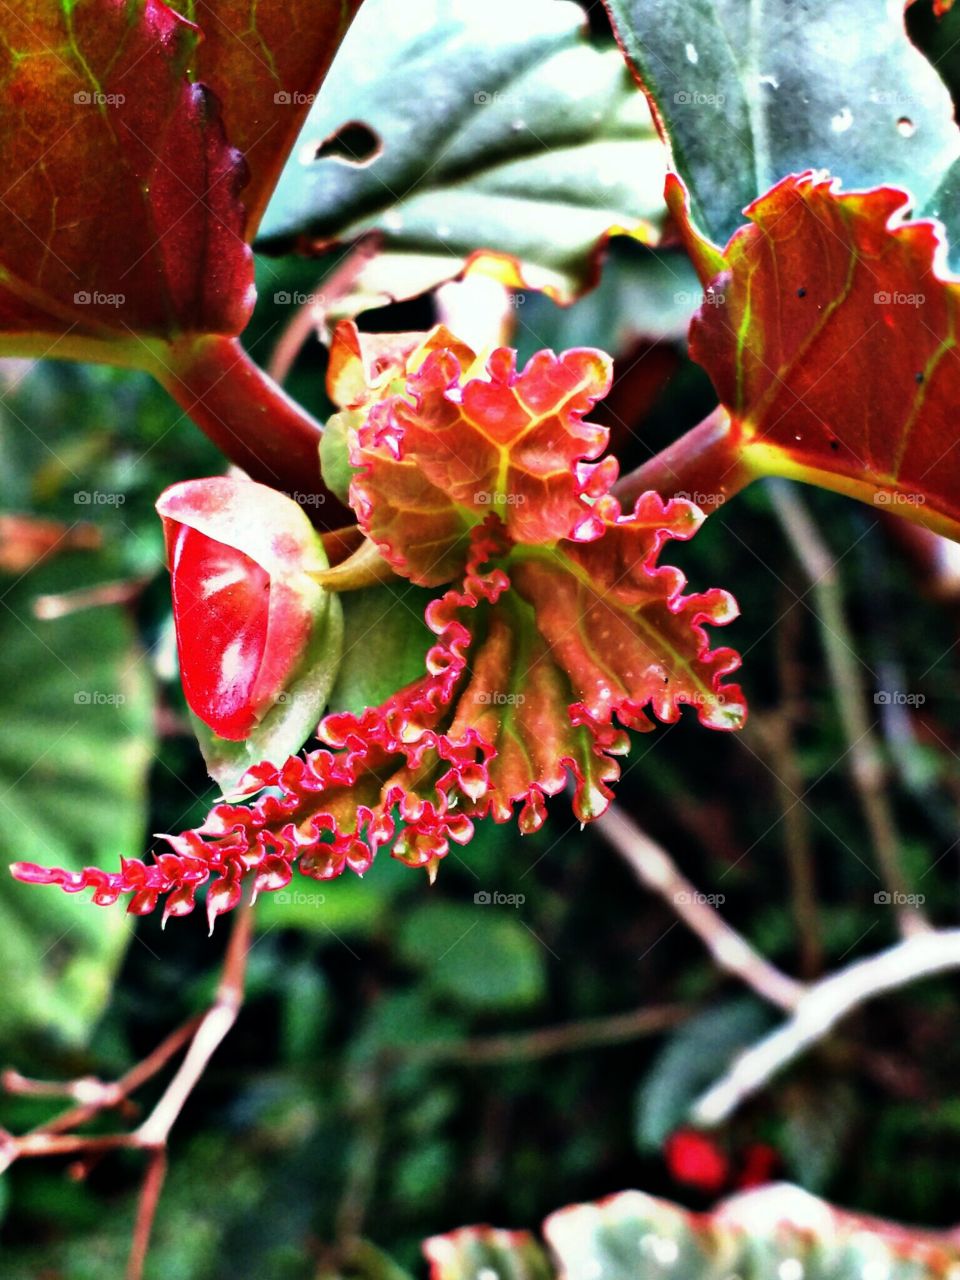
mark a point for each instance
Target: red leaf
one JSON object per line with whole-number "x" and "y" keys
{"x": 122, "y": 213}
{"x": 830, "y": 336}
{"x": 122, "y": 210}
{"x": 265, "y": 61}
{"x": 243, "y": 604}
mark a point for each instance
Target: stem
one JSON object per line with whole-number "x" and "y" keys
{"x": 243, "y": 411}
{"x": 839, "y": 645}
{"x": 655, "y": 869}
{"x": 525, "y": 1046}
{"x": 820, "y": 1008}
{"x": 705, "y": 461}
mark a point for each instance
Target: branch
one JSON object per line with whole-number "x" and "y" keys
{"x": 616, "y": 1028}
{"x": 247, "y": 415}
{"x": 866, "y": 765}
{"x": 655, "y": 869}
{"x": 202, "y": 1035}
{"x": 820, "y": 1008}
{"x": 704, "y": 465}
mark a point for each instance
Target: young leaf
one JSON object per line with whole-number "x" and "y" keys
{"x": 745, "y": 94}
{"x": 472, "y": 141}
{"x": 544, "y": 650}
{"x": 830, "y": 336}
{"x": 259, "y": 640}
{"x": 139, "y": 158}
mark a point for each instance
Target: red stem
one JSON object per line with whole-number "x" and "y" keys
{"x": 704, "y": 465}
{"x": 247, "y": 415}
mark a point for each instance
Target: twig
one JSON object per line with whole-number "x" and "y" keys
{"x": 655, "y": 869}
{"x": 617, "y": 1028}
{"x": 866, "y": 764}
{"x": 146, "y": 1213}
{"x": 202, "y": 1035}
{"x": 821, "y": 1007}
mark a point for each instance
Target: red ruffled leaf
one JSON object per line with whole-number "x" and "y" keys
{"x": 445, "y": 449}
{"x": 829, "y": 334}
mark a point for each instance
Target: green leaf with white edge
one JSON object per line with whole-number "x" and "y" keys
{"x": 294, "y": 716}
{"x": 478, "y": 955}
{"x": 777, "y": 1232}
{"x": 76, "y": 741}
{"x": 486, "y": 1252}
{"x": 750, "y": 93}
{"x": 504, "y": 121}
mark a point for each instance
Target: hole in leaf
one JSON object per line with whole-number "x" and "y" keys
{"x": 353, "y": 143}
{"x": 905, "y": 127}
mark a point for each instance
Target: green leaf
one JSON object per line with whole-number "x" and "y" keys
{"x": 75, "y": 745}
{"x": 774, "y": 1233}
{"x": 486, "y": 1252}
{"x": 477, "y": 955}
{"x": 695, "y": 1055}
{"x": 749, "y": 93}
{"x": 503, "y": 121}
{"x": 385, "y": 644}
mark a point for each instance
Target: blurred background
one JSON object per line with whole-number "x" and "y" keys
{"x": 411, "y": 1059}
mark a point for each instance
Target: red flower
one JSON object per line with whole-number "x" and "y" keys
{"x": 243, "y": 601}
{"x": 697, "y": 1161}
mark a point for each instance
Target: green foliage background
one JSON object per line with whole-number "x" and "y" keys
{"x": 359, "y": 1094}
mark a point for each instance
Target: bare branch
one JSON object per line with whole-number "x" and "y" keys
{"x": 655, "y": 869}
{"x": 866, "y": 766}
{"x": 821, "y": 1007}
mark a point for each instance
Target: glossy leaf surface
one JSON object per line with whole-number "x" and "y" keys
{"x": 746, "y": 94}
{"x": 259, "y": 640}
{"x": 831, "y": 338}
{"x": 759, "y": 1235}
{"x": 472, "y": 141}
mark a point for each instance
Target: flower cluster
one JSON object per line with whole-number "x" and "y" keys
{"x": 559, "y": 633}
